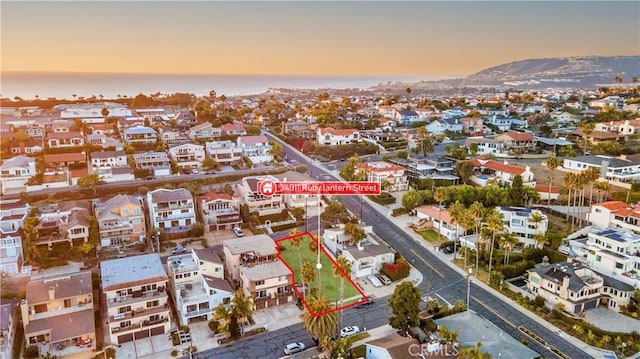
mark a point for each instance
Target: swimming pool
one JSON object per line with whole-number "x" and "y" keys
{"x": 483, "y": 177}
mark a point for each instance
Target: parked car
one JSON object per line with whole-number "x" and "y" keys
{"x": 293, "y": 348}
{"x": 238, "y": 231}
{"x": 384, "y": 279}
{"x": 195, "y": 170}
{"x": 448, "y": 250}
{"x": 365, "y": 303}
{"x": 349, "y": 331}
{"x": 179, "y": 250}
{"x": 149, "y": 178}
{"x": 375, "y": 281}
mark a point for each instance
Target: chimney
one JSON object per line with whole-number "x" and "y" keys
{"x": 52, "y": 293}
{"x": 527, "y": 168}
{"x": 545, "y": 261}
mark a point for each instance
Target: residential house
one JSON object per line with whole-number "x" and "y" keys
{"x": 234, "y": 128}
{"x": 562, "y": 117}
{"x": 15, "y": 173}
{"x": 488, "y": 171}
{"x": 445, "y": 125}
{"x": 58, "y": 315}
{"x": 624, "y": 128}
{"x": 140, "y": 135}
{"x": 102, "y": 129}
{"x": 8, "y": 326}
{"x": 58, "y": 126}
{"x": 308, "y": 201}
{"x": 406, "y": 117}
{"x": 299, "y": 129}
{"x": 197, "y": 293}
{"x": 383, "y": 171}
{"x": 596, "y": 136}
{"x": 576, "y": 287}
{"x": 171, "y": 211}
{"x": 256, "y": 148}
{"x": 204, "y": 131}
{"x": 619, "y": 169}
{"x": 64, "y": 139}
{"x": 332, "y": 137}
{"x": 63, "y": 222}
{"x": 518, "y": 142}
{"x": 224, "y": 152}
{"x": 263, "y": 205}
{"x": 187, "y": 155}
{"x": 61, "y": 160}
{"x": 151, "y": 160}
{"x": 615, "y": 214}
{"x": 121, "y": 220}
{"x": 36, "y": 131}
{"x": 135, "y": 297}
{"x": 394, "y": 346}
{"x": 554, "y": 144}
{"x": 472, "y": 125}
{"x": 441, "y": 220}
{"x": 219, "y": 211}
{"x": 503, "y": 123}
{"x": 486, "y": 146}
{"x": 27, "y": 147}
{"x": 12, "y": 216}
{"x": 107, "y": 159}
{"x": 431, "y": 167}
{"x": 517, "y": 220}
{"x": 185, "y": 120}
{"x": 547, "y": 193}
{"x": 172, "y": 136}
{"x": 251, "y": 263}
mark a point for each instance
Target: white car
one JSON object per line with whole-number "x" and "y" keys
{"x": 179, "y": 250}
{"x": 194, "y": 170}
{"x": 349, "y": 331}
{"x": 238, "y": 231}
{"x": 293, "y": 348}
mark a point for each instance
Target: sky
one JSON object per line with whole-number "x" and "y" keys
{"x": 452, "y": 38}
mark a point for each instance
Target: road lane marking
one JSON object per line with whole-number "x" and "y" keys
{"x": 494, "y": 312}
{"x": 427, "y": 263}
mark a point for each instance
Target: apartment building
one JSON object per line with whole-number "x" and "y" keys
{"x": 8, "y": 326}
{"x": 58, "y": 315}
{"x": 15, "y": 173}
{"x": 121, "y": 220}
{"x": 256, "y": 148}
{"x": 187, "y": 155}
{"x": 171, "y": 211}
{"x": 383, "y": 171}
{"x": 12, "y": 216}
{"x": 219, "y": 211}
{"x": 248, "y": 189}
{"x": 198, "y": 284}
{"x": 225, "y": 152}
{"x": 517, "y": 220}
{"x": 135, "y": 293}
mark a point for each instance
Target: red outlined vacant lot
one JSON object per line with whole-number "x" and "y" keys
{"x": 330, "y": 285}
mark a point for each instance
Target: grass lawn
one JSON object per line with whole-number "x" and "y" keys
{"x": 330, "y": 284}
{"x": 360, "y": 351}
{"x": 359, "y": 336}
{"x": 429, "y": 235}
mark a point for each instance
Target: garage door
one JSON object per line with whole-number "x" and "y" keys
{"x": 142, "y": 334}
{"x": 590, "y": 305}
{"x": 125, "y": 338}
{"x": 157, "y": 330}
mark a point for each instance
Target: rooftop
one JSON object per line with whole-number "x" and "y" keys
{"x": 170, "y": 195}
{"x": 131, "y": 271}
{"x": 618, "y": 235}
{"x": 613, "y": 162}
{"x": 261, "y": 244}
{"x": 66, "y": 326}
{"x": 65, "y": 286}
{"x": 265, "y": 271}
{"x": 396, "y": 345}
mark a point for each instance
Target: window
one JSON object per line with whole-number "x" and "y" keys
{"x": 261, "y": 294}
{"x": 124, "y": 309}
{"x": 619, "y": 265}
{"x": 149, "y": 287}
{"x": 125, "y": 324}
{"x": 125, "y": 212}
{"x": 598, "y": 258}
{"x": 153, "y": 303}
{"x": 259, "y": 282}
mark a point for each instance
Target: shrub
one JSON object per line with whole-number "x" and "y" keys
{"x": 185, "y": 328}
{"x": 214, "y": 326}
{"x": 31, "y": 352}
{"x": 397, "y": 271}
{"x": 110, "y": 353}
{"x": 174, "y": 353}
{"x": 399, "y": 211}
{"x": 260, "y": 330}
{"x": 539, "y": 301}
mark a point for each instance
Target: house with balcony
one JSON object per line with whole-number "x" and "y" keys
{"x": 58, "y": 315}
{"x": 518, "y": 142}
{"x": 64, "y": 139}
{"x": 185, "y": 120}
{"x": 198, "y": 284}
{"x": 299, "y": 129}
{"x": 487, "y": 146}
{"x": 15, "y": 173}
{"x": 172, "y": 136}
{"x": 219, "y": 211}
{"x": 406, "y": 117}
{"x": 121, "y": 220}
{"x": 577, "y": 287}
{"x": 103, "y": 159}
{"x": 140, "y": 135}
{"x": 12, "y": 216}
{"x": 618, "y": 169}
{"x": 263, "y": 205}
{"x": 614, "y": 252}
{"x": 205, "y": 132}
{"x": 225, "y": 152}
{"x": 8, "y": 326}
{"x": 441, "y": 221}
{"x": 171, "y": 211}
{"x": 445, "y": 125}
{"x": 615, "y": 214}
{"x": 135, "y": 297}
{"x": 517, "y": 220}
{"x": 63, "y": 223}
{"x": 256, "y": 148}
{"x": 503, "y": 123}
{"x": 252, "y": 264}
{"x": 501, "y": 173}
{"x": 472, "y": 125}
{"x": 335, "y": 137}
{"x": 384, "y": 171}
{"x": 298, "y": 200}
{"x": 430, "y": 167}
{"x": 234, "y": 128}
{"x": 152, "y": 160}
{"x": 187, "y": 155}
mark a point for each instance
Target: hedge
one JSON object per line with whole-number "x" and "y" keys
{"x": 397, "y": 271}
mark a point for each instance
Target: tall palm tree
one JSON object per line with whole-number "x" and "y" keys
{"x": 587, "y": 130}
{"x": 602, "y": 188}
{"x": 592, "y": 175}
{"x": 425, "y": 143}
{"x": 440, "y": 195}
{"x": 476, "y": 212}
{"x": 536, "y": 218}
{"x": 569, "y": 182}
{"x": 308, "y": 275}
{"x": 493, "y": 218}
{"x": 552, "y": 164}
{"x": 320, "y": 326}
{"x": 345, "y": 265}
{"x": 467, "y": 222}
{"x": 296, "y": 241}
{"x": 507, "y": 241}
{"x": 474, "y": 353}
{"x": 457, "y": 212}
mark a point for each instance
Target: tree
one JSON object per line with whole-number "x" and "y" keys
{"x": 451, "y": 336}
{"x": 334, "y": 213}
{"x": 296, "y": 241}
{"x": 464, "y": 169}
{"x": 340, "y": 349}
{"x": 493, "y": 218}
{"x": 208, "y": 163}
{"x": 587, "y": 130}
{"x": 308, "y": 275}
{"x": 348, "y": 172}
{"x": 276, "y": 150}
{"x": 238, "y": 311}
{"x": 516, "y": 192}
{"x": 440, "y": 195}
{"x": 457, "y": 212}
{"x": 343, "y": 265}
{"x": 552, "y": 164}
{"x": 507, "y": 241}
{"x": 474, "y": 353}
{"x": 405, "y": 307}
{"x": 356, "y": 234}
{"x": 536, "y": 218}
{"x": 320, "y": 326}
{"x": 425, "y": 141}
{"x": 90, "y": 181}
{"x": 412, "y": 199}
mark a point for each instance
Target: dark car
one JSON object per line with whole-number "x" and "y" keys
{"x": 364, "y": 303}
{"x": 448, "y": 250}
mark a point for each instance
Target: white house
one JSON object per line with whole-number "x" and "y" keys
{"x": 171, "y": 211}
{"x": 256, "y": 148}
{"x": 8, "y": 326}
{"x": 503, "y": 123}
{"x": 615, "y": 214}
{"x": 248, "y": 190}
{"x": 332, "y": 137}
{"x": 140, "y": 135}
{"x": 187, "y": 155}
{"x": 106, "y": 159}
{"x": 384, "y": 171}
{"x": 486, "y": 146}
{"x": 611, "y": 168}
{"x": 488, "y": 171}
{"x": 219, "y": 211}
{"x": 439, "y": 127}
{"x": 441, "y": 221}
{"x": 12, "y": 216}
{"x": 517, "y": 220}
{"x": 406, "y": 117}
{"x": 225, "y": 152}
{"x": 15, "y": 173}
{"x": 393, "y": 346}
{"x": 204, "y": 131}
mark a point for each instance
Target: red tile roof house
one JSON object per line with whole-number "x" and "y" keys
{"x": 518, "y": 142}
{"x": 488, "y": 171}
{"x": 437, "y": 214}
{"x": 332, "y": 137}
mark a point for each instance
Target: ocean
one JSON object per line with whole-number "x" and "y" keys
{"x": 64, "y": 85}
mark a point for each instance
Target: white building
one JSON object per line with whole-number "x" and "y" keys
{"x": 441, "y": 221}
{"x": 256, "y": 202}
{"x": 256, "y": 148}
{"x": 15, "y": 173}
{"x": 225, "y": 152}
{"x": 332, "y": 137}
{"x": 615, "y": 214}
{"x": 140, "y": 135}
{"x": 187, "y": 155}
{"x": 204, "y": 131}
{"x": 219, "y": 211}
{"x": 611, "y": 168}
{"x": 440, "y": 126}
{"x": 171, "y": 211}
{"x": 12, "y": 216}
{"x": 503, "y": 173}
{"x": 384, "y": 171}
{"x": 518, "y": 220}
{"x": 487, "y": 146}
{"x": 503, "y": 123}
{"x": 8, "y": 325}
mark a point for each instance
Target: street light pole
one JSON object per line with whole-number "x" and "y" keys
{"x": 469, "y": 289}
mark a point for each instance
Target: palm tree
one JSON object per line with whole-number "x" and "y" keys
{"x": 587, "y": 129}
{"x": 239, "y": 310}
{"x": 603, "y": 189}
{"x": 320, "y": 326}
{"x": 242, "y": 306}
{"x": 536, "y": 218}
{"x": 425, "y": 141}
{"x": 552, "y": 164}
{"x": 296, "y": 241}
{"x": 592, "y": 175}
{"x": 474, "y": 353}
{"x": 467, "y": 222}
{"x": 493, "y": 218}
{"x": 507, "y": 241}
{"x": 541, "y": 240}
{"x": 345, "y": 265}
{"x": 476, "y": 212}
{"x": 451, "y": 336}
{"x": 308, "y": 275}
{"x": 440, "y": 195}
{"x": 569, "y": 182}
{"x": 457, "y": 212}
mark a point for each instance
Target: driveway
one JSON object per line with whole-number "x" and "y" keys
{"x": 609, "y": 320}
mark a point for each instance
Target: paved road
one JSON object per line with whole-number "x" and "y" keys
{"x": 439, "y": 279}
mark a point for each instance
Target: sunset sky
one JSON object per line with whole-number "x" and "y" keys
{"x": 310, "y": 38}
